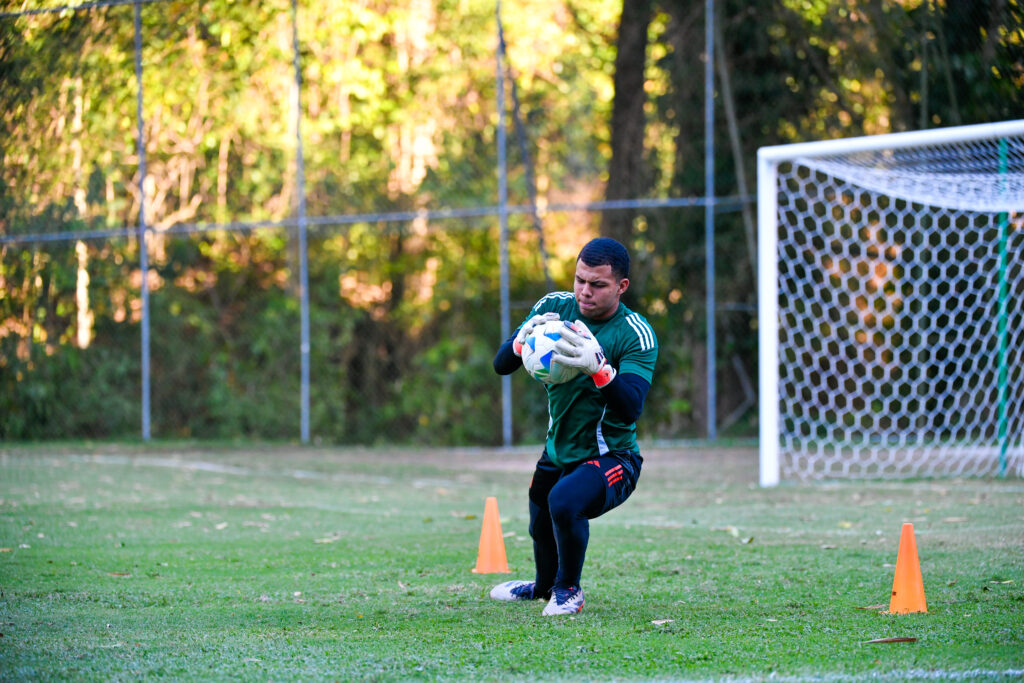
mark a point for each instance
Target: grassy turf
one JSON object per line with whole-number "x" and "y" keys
{"x": 191, "y": 562}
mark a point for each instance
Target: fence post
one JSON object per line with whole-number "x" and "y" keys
{"x": 506, "y": 380}
{"x": 143, "y": 243}
{"x": 709, "y": 212}
{"x": 300, "y": 171}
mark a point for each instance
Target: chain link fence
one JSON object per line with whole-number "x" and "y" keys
{"x": 322, "y": 268}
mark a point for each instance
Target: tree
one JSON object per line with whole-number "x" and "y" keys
{"x": 628, "y": 175}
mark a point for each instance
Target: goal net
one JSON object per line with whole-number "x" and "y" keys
{"x": 891, "y": 305}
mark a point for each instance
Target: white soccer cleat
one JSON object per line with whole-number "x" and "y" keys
{"x": 513, "y": 590}
{"x": 564, "y": 601}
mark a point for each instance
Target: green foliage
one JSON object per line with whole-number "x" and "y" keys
{"x": 398, "y": 114}
{"x": 93, "y": 393}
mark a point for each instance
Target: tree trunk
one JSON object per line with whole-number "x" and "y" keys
{"x": 626, "y": 175}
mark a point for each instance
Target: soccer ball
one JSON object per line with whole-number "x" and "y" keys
{"x": 537, "y": 354}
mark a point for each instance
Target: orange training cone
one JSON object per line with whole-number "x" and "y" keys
{"x": 907, "y": 587}
{"x": 491, "y": 557}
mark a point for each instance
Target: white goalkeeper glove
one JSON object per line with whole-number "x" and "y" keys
{"x": 579, "y": 348}
{"x": 527, "y": 328}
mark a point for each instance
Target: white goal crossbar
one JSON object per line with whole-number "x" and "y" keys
{"x": 891, "y": 304}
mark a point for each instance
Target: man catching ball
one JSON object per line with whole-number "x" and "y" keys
{"x": 591, "y": 462}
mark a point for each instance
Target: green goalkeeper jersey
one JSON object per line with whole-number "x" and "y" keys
{"x": 580, "y": 424}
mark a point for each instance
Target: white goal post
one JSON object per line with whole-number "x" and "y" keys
{"x": 891, "y": 305}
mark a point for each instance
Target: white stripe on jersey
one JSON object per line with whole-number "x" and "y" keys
{"x": 554, "y": 295}
{"x": 643, "y": 331}
{"x": 602, "y": 445}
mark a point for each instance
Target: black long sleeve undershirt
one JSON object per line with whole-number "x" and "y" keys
{"x": 506, "y": 361}
{"x": 625, "y": 394}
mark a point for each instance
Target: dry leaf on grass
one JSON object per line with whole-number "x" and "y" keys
{"x": 659, "y": 622}
{"x": 329, "y": 539}
{"x": 892, "y": 640}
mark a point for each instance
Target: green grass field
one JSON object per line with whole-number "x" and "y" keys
{"x": 198, "y": 562}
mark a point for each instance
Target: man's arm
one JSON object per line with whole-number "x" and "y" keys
{"x": 625, "y": 394}
{"x": 506, "y": 361}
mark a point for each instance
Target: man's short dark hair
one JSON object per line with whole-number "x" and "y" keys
{"x": 604, "y": 251}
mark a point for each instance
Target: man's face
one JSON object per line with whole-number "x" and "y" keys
{"x": 598, "y": 290}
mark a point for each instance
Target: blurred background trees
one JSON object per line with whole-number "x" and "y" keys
{"x": 398, "y": 102}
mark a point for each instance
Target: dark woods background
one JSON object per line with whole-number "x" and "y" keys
{"x": 398, "y": 104}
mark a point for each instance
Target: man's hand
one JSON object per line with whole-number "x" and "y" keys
{"x": 527, "y": 328}
{"x": 579, "y": 348}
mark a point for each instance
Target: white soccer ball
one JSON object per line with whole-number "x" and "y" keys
{"x": 537, "y": 354}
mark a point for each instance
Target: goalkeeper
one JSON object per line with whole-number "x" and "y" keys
{"x": 590, "y": 462}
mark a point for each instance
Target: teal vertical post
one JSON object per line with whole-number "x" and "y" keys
{"x": 300, "y": 167}
{"x": 1004, "y": 225}
{"x": 143, "y": 233}
{"x": 709, "y": 215}
{"x": 503, "y": 240}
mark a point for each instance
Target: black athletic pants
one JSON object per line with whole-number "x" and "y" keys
{"x": 562, "y": 503}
